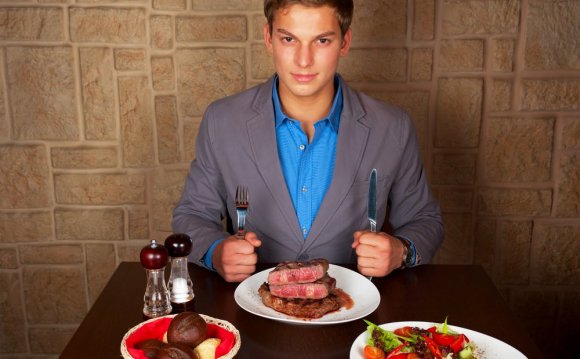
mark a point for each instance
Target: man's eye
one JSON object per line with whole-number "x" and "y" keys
{"x": 324, "y": 41}
{"x": 287, "y": 39}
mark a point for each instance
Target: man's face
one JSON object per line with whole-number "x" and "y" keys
{"x": 306, "y": 44}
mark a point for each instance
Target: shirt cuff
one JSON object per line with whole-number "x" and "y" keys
{"x": 207, "y": 258}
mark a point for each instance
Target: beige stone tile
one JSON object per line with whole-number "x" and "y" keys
{"x": 98, "y": 90}
{"x": 457, "y": 246}
{"x": 51, "y": 254}
{"x": 211, "y": 28}
{"x": 99, "y": 189}
{"x": 167, "y": 188}
{"x": 89, "y": 224}
{"x": 130, "y": 252}
{"x": 555, "y": 249}
{"x": 163, "y": 73}
{"x": 458, "y": 113}
{"x": 13, "y": 328}
{"x": 379, "y": 20}
{"x": 461, "y": 17}
{"x": 518, "y": 149}
{"x": 461, "y": 55}
{"x": 138, "y": 223}
{"x": 4, "y": 120}
{"x": 24, "y": 177}
{"x": 83, "y": 157}
{"x": 453, "y": 200}
{"x": 375, "y": 65}
{"x": 514, "y": 239}
{"x": 485, "y": 250}
{"x": 130, "y": 59}
{"x": 54, "y": 295}
{"x": 167, "y": 129}
{"x": 502, "y": 54}
{"x": 501, "y": 95}
{"x": 41, "y": 89}
{"x": 29, "y": 23}
{"x": 258, "y": 22}
{"x": 568, "y": 198}
{"x": 169, "y": 4}
{"x": 550, "y": 26}
{"x": 217, "y": 5}
{"x": 108, "y": 25}
{"x": 25, "y": 227}
{"x": 49, "y": 340}
{"x": 135, "y": 100}
{"x": 421, "y": 64}
{"x": 571, "y": 133}
{"x": 454, "y": 168}
{"x": 100, "y": 266}
{"x": 205, "y": 75}
{"x": 8, "y": 258}
{"x": 262, "y": 62}
{"x": 546, "y": 95}
{"x": 161, "y": 32}
{"x": 424, "y": 19}
{"x": 518, "y": 202}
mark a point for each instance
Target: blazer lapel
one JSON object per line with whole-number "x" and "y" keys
{"x": 352, "y": 139}
{"x": 262, "y": 135}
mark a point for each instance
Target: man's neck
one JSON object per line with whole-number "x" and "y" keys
{"x": 308, "y": 109}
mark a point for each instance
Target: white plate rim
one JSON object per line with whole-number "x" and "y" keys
{"x": 246, "y": 296}
{"x": 483, "y": 343}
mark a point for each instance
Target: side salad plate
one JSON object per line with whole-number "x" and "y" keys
{"x": 486, "y": 347}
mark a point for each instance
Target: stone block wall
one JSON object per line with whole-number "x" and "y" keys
{"x": 100, "y": 102}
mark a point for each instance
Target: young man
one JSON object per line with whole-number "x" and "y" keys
{"x": 304, "y": 143}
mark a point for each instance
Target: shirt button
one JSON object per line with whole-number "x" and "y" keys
{"x": 304, "y": 189}
{"x": 301, "y": 147}
{"x": 304, "y": 230}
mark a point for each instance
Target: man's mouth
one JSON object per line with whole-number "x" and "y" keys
{"x": 304, "y": 77}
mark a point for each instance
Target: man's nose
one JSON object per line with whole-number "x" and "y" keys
{"x": 304, "y": 56}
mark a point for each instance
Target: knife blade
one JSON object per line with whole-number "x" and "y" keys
{"x": 372, "y": 204}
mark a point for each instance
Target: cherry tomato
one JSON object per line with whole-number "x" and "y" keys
{"x": 458, "y": 343}
{"x": 404, "y": 331}
{"x": 399, "y": 356}
{"x": 412, "y": 356}
{"x": 433, "y": 348}
{"x": 371, "y": 352}
{"x": 444, "y": 339}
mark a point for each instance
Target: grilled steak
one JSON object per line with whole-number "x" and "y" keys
{"x": 301, "y": 308}
{"x": 298, "y": 272}
{"x": 315, "y": 290}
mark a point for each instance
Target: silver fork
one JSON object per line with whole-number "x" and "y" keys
{"x": 241, "y": 208}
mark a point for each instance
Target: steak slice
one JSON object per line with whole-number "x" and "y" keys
{"x": 300, "y": 308}
{"x": 298, "y": 272}
{"x": 315, "y": 290}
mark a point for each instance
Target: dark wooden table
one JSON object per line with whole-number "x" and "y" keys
{"x": 427, "y": 293}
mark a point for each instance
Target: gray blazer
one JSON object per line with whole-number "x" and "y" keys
{"x": 236, "y": 145}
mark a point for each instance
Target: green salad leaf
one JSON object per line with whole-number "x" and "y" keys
{"x": 388, "y": 339}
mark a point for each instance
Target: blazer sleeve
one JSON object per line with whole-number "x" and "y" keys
{"x": 201, "y": 208}
{"x": 414, "y": 213}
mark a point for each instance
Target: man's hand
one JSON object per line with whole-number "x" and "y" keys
{"x": 235, "y": 259}
{"x": 378, "y": 254}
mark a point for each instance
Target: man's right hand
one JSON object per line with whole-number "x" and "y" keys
{"x": 235, "y": 258}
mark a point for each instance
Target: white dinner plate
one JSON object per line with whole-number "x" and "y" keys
{"x": 486, "y": 347}
{"x": 365, "y": 296}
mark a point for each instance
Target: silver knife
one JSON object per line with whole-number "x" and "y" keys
{"x": 372, "y": 205}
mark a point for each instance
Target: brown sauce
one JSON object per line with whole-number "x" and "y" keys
{"x": 345, "y": 299}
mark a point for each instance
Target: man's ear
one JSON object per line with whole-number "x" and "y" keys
{"x": 268, "y": 37}
{"x": 346, "y": 40}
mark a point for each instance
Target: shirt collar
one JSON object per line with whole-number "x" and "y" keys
{"x": 335, "y": 110}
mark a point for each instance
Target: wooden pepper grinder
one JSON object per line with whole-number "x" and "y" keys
{"x": 154, "y": 258}
{"x": 180, "y": 287}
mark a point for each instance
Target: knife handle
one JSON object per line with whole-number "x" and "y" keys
{"x": 373, "y": 225}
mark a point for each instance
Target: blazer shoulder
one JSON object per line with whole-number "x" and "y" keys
{"x": 241, "y": 103}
